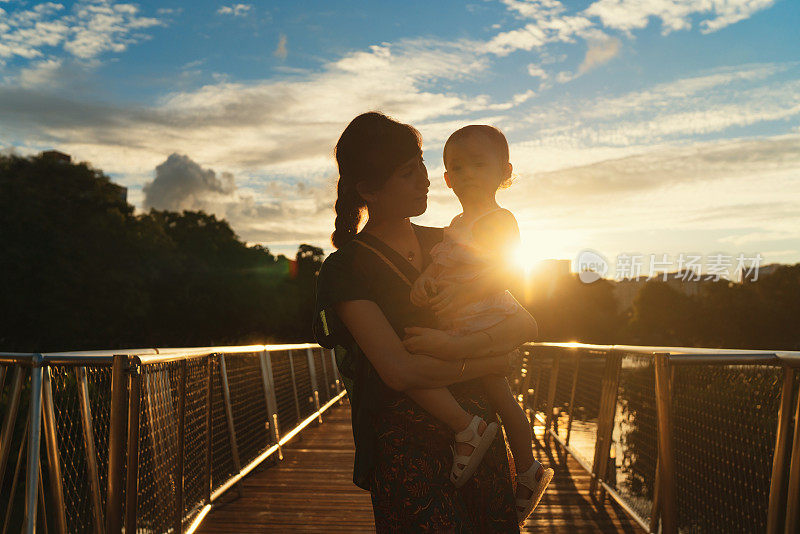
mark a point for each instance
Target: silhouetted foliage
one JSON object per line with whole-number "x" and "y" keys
{"x": 570, "y": 310}
{"x": 755, "y": 315}
{"x": 80, "y": 270}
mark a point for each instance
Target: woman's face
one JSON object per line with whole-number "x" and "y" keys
{"x": 404, "y": 194}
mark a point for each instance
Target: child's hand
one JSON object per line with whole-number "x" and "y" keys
{"x": 451, "y": 298}
{"x": 422, "y": 290}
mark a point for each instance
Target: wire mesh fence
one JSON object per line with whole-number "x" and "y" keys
{"x": 724, "y": 426}
{"x": 205, "y": 419}
{"x": 724, "y": 422}
{"x": 635, "y": 445}
{"x": 586, "y": 408}
{"x": 199, "y": 425}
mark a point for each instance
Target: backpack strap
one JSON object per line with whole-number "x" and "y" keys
{"x": 385, "y": 260}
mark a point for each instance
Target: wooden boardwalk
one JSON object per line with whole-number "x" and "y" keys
{"x": 312, "y": 490}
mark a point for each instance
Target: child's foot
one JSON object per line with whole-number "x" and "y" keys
{"x": 470, "y": 447}
{"x": 530, "y": 487}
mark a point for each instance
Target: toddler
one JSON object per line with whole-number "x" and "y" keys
{"x": 476, "y": 245}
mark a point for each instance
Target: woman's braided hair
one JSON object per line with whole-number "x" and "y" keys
{"x": 369, "y": 150}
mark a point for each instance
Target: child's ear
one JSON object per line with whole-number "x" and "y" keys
{"x": 447, "y": 180}
{"x": 507, "y": 170}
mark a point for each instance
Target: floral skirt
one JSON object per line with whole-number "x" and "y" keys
{"x": 410, "y": 486}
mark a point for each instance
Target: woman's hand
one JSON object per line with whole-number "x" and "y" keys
{"x": 436, "y": 343}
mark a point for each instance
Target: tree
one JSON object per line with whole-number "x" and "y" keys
{"x": 81, "y": 271}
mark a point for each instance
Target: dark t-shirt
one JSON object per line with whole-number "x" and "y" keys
{"x": 367, "y": 269}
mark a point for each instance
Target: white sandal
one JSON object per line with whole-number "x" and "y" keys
{"x": 481, "y": 442}
{"x": 537, "y": 487}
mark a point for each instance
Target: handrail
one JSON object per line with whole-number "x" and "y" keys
{"x": 147, "y": 355}
{"x": 159, "y": 411}
{"x": 787, "y": 357}
{"x": 661, "y": 364}
{"x": 143, "y": 392}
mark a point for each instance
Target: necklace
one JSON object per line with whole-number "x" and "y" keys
{"x": 410, "y": 255}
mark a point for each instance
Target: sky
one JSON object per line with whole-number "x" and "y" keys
{"x": 636, "y": 127}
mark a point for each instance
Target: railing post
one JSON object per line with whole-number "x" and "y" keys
{"x": 10, "y": 419}
{"x": 15, "y": 477}
{"x": 226, "y": 395}
{"x": 89, "y": 447}
{"x": 116, "y": 443}
{"x": 666, "y": 459}
{"x": 655, "y": 509}
{"x": 51, "y": 442}
{"x": 601, "y": 415}
{"x": 34, "y": 442}
{"x": 325, "y": 375}
{"x": 3, "y": 371}
{"x": 294, "y": 384}
{"x": 552, "y": 384}
{"x": 179, "y": 478}
{"x": 780, "y": 465}
{"x": 605, "y": 419}
{"x": 209, "y": 426}
{"x": 793, "y": 494}
{"x": 536, "y": 382}
{"x": 132, "y": 482}
{"x": 336, "y": 375}
{"x": 268, "y": 379}
{"x": 572, "y": 396}
{"x": 314, "y": 386}
{"x": 42, "y": 511}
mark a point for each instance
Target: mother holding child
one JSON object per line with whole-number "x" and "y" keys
{"x": 423, "y": 329}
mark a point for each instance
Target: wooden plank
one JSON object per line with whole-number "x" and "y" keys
{"x": 312, "y": 490}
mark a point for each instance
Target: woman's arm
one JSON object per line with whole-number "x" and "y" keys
{"x": 499, "y": 339}
{"x": 398, "y": 368}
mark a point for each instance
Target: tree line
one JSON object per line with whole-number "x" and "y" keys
{"x": 762, "y": 314}
{"x": 80, "y": 269}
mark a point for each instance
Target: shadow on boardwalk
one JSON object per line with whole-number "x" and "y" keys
{"x": 312, "y": 490}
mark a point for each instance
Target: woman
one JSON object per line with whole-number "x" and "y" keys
{"x": 403, "y": 454}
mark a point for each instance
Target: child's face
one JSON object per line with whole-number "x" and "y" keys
{"x": 474, "y": 169}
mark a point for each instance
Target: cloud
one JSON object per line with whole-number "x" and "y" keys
{"x": 280, "y": 50}
{"x": 181, "y": 184}
{"x": 537, "y": 72}
{"x": 257, "y": 216}
{"x": 551, "y": 29}
{"x": 286, "y": 125}
{"x": 599, "y": 52}
{"x": 664, "y": 199}
{"x": 45, "y": 72}
{"x": 721, "y": 100}
{"x": 675, "y": 15}
{"x": 236, "y": 10}
{"x": 89, "y": 30}
{"x": 669, "y": 166}
{"x": 547, "y": 21}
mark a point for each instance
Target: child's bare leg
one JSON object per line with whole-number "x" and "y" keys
{"x": 518, "y": 428}
{"x": 441, "y": 404}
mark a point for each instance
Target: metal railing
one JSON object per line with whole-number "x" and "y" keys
{"x": 146, "y": 440}
{"x": 685, "y": 439}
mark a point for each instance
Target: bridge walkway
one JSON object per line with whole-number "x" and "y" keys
{"x": 311, "y": 490}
